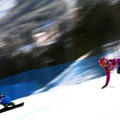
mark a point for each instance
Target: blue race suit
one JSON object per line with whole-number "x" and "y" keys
{"x": 5, "y": 100}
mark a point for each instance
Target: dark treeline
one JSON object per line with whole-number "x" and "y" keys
{"x": 96, "y": 25}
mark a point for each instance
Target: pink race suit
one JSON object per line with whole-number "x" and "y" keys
{"x": 112, "y": 64}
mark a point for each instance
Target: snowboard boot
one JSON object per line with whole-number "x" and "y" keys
{"x": 5, "y": 106}
{"x": 13, "y": 104}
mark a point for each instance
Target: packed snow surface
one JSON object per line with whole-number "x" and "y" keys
{"x": 85, "y": 101}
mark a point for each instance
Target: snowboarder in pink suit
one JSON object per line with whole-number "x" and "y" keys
{"x": 109, "y": 65}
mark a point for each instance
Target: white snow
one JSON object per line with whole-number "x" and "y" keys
{"x": 86, "y": 101}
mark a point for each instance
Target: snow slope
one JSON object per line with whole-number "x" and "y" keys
{"x": 86, "y": 101}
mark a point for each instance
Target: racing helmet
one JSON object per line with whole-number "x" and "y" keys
{"x": 103, "y": 62}
{"x": 2, "y": 95}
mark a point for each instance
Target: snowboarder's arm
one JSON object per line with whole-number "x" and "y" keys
{"x": 107, "y": 79}
{"x": 0, "y": 100}
{"x": 118, "y": 60}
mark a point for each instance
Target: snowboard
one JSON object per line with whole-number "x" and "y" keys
{"x": 11, "y": 107}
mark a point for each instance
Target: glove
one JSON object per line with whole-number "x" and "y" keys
{"x": 104, "y": 86}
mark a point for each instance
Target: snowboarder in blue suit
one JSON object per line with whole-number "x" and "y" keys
{"x": 5, "y": 100}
